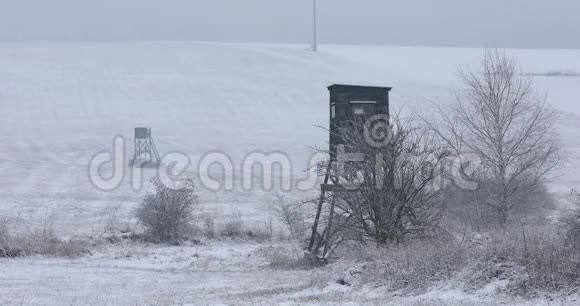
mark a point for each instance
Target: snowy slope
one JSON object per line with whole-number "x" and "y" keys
{"x": 61, "y": 103}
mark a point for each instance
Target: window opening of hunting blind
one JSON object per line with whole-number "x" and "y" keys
{"x": 360, "y": 108}
{"x": 332, "y": 111}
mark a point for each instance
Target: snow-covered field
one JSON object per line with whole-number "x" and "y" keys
{"x": 137, "y": 274}
{"x": 62, "y": 103}
{"x": 224, "y": 273}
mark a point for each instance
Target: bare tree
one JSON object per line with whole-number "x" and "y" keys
{"x": 500, "y": 119}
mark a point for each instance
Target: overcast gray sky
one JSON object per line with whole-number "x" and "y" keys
{"x": 469, "y": 23}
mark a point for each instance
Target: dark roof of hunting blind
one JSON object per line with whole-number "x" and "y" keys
{"x": 357, "y": 86}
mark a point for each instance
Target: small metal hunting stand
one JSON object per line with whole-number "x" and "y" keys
{"x": 146, "y": 154}
{"x": 347, "y": 102}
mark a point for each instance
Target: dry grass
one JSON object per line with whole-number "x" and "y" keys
{"x": 529, "y": 262}
{"x": 41, "y": 240}
{"x": 285, "y": 257}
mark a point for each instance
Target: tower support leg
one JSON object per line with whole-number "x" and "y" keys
{"x": 319, "y": 210}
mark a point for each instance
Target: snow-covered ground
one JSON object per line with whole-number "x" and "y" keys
{"x": 62, "y": 103}
{"x": 218, "y": 272}
{"x": 225, "y": 273}
{"x": 139, "y": 274}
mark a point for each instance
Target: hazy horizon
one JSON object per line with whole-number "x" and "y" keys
{"x": 457, "y": 23}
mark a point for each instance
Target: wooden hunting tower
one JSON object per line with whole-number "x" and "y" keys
{"x": 349, "y": 106}
{"x": 349, "y": 103}
{"x": 146, "y": 154}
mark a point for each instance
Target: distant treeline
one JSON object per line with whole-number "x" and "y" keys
{"x": 556, "y": 74}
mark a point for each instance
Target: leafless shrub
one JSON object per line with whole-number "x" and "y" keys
{"x": 268, "y": 228}
{"x": 234, "y": 227}
{"x": 291, "y": 215}
{"x": 572, "y": 226}
{"x": 468, "y": 208}
{"x": 4, "y": 223}
{"x": 573, "y": 229}
{"x": 256, "y": 234}
{"x": 395, "y": 194}
{"x": 208, "y": 220}
{"x": 167, "y": 214}
{"x": 112, "y": 218}
{"x": 285, "y": 257}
